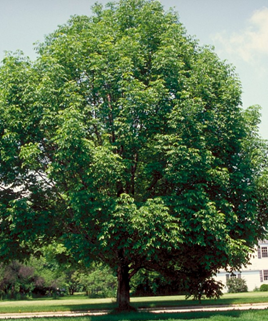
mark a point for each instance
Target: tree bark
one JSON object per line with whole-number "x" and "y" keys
{"x": 123, "y": 297}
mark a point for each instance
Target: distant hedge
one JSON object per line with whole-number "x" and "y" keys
{"x": 264, "y": 287}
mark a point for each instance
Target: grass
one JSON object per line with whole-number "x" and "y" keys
{"x": 82, "y": 303}
{"x": 226, "y": 299}
{"x": 197, "y": 316}
{"x": 53, "y": 305}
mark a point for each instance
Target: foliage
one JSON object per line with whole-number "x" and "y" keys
{"x": 206, "y": 289}
{"x": 17, "y": 279}
{"x": 125, "y": 141}
{"x": 264, "y": 287}
{"x": 147, "y": 283}
{"x": 49, "y": 271}
{"x": 32, "y": 279}
{"x": 40, "y": 277}
{"x": 100, "y": 282}
{"x": 236, "y": 285}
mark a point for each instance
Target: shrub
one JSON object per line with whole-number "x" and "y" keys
{"x": 236, "y": 285}
{"x": 99, "y": 282}
{"x": 264, "y": 287}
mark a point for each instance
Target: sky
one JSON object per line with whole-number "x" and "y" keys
{"x": 237, "y": 29}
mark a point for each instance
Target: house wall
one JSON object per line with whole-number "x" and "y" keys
{"x": 255, "y": 273}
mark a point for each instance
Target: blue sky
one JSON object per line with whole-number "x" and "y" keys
{"x": 238, "y": 29}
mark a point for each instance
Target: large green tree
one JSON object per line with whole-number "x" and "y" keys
{"x": 126, "y": 142}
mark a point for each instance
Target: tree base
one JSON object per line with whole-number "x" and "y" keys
{"x": 123, "y": 310}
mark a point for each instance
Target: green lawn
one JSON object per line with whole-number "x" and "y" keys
{"x": 80, "y": 302}
{"x": 226, "y": 299}
{"x": 197, "y": 316}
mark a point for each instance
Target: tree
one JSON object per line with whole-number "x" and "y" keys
{"x": 126, "y": 142}
{"x": 18, "y": 280}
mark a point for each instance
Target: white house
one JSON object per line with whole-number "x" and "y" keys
{"x": 255, "y": 274}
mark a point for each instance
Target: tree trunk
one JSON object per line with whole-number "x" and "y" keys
{"x": 123, "y": 297}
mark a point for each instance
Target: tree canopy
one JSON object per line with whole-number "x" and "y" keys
{"x": 126, "y": 142}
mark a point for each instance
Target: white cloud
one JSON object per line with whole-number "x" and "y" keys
{"x": 251, "y": 42}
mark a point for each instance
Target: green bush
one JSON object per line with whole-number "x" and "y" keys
{"x": 99, "y": 282}
{"x": 236, "y": 285}
{"x": 264, "y": 287}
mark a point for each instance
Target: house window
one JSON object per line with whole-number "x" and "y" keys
{"x": 265, "y": 275}
{"x": 264, "y": 252}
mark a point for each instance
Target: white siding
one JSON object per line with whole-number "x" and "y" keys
{"x": 253, "y": 273}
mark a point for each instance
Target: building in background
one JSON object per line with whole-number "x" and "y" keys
{"x": 255, "y": 274}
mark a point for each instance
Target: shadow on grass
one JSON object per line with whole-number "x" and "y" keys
{"x": 149, "y": 302}
{"x": 141, "y": 316}
{"x": 223, "y": 301}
